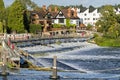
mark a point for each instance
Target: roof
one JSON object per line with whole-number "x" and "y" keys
{"x": 83, "y": 9}
{"x": 91, "y": 9}
{"x": 40, "y": 13}
{"x": 53, "y": 13}
{"x": 82, "y": 25}
{"x": 43, "y": 13}
{"x": 65, "y": 12}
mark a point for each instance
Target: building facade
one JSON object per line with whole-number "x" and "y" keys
{"x": 88, "y": 16}
{"x": 49, "y": 17}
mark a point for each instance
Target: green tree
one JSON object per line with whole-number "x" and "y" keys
{"x": 114, "y": 31}
{"x": 69, "y": 25}
{"x": 15, "y": 17}
{"x": 1, "y": 27}
{"x": 89, "y": 27}
{"x": 26, "y": 21}
{"x": 107, "y": 19}
{"x": 2, "y": 15}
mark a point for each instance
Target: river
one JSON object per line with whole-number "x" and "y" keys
{"x": 78, "y": 60}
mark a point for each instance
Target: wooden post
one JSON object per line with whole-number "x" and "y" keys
{"x": 54, "y": 69}
{"x": 4, "y": 60}
{"x": 4, "y": 64}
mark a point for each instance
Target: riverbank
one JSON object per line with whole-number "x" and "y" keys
{"x": 101, "y": 41}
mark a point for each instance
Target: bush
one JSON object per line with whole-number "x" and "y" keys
{"x": 102, "y": 41}
{"x": 34, "y": 28}
{"x": 57, "y": 25}
{"x": 96, "y": 35}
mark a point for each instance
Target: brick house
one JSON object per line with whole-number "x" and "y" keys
{"x": 48, "y": 17}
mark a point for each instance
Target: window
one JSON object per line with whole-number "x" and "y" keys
{"x": 61, "y": 15}
{"x": 85, "y": 14}
{"x": 93, "y": 18}
{"x": 49, "y": 15}
{"x": 71, "y": 21}
{"x": 52, "y": 21}
{"x": 94, "y": 14}
{"x": 77, "y": 22}
{"x": 61, "y": 20}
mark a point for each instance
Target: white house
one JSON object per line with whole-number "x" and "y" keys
{"x": 65, "y": 14}
{"x": 88, "y": 17}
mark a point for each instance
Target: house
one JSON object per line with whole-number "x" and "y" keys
{"x": 65, "y": 14}
{"x": 48, "y": 17}
{"x": 41, "y": 17}
{"x": 88, "y": 16}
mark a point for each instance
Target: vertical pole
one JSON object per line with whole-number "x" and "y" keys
{"x": 54, "y": 69}
{"x": 4, "y": 65}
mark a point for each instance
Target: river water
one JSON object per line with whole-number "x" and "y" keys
{"x": 79, "y": 61}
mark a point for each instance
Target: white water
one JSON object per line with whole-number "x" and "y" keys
{"x": 87, "y": 52}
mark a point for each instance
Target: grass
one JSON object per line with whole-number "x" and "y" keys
{"x": 101, "y": 41}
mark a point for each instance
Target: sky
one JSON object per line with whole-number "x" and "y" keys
{"x": 86, "y": 3}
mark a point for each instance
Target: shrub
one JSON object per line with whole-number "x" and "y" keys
{"x": 57, "y": 25}
{"x": 34, "y": 28}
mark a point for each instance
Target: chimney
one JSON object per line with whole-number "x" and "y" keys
{"x": 49, "y": 9}
{"x": 44, "y": 8}
{"x": 69, "y": 12}
{"x": 56, "y": 9}
{"x": 75, "y": 12}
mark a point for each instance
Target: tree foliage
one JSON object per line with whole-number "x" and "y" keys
{"x": 69, "y": 25}
{"x": 2, "y": 15}
{"x": 15, "y": 17}
{"x": 109, "y": 23}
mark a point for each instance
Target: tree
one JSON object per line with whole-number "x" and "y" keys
{"x": 114, "y": 31}
{"x": 26, "y": 21}
{"x": 109, "y": 23}
{"x": 108, "y": 18}
{"x": 2, "y": 15}
{"x": 15, "y": 17}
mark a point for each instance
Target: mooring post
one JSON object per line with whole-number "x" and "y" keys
{"x": 54, "y": 69}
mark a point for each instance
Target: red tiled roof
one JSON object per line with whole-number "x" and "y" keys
{"x": 65, "y": 12}
{"x": 43, "y": 13}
